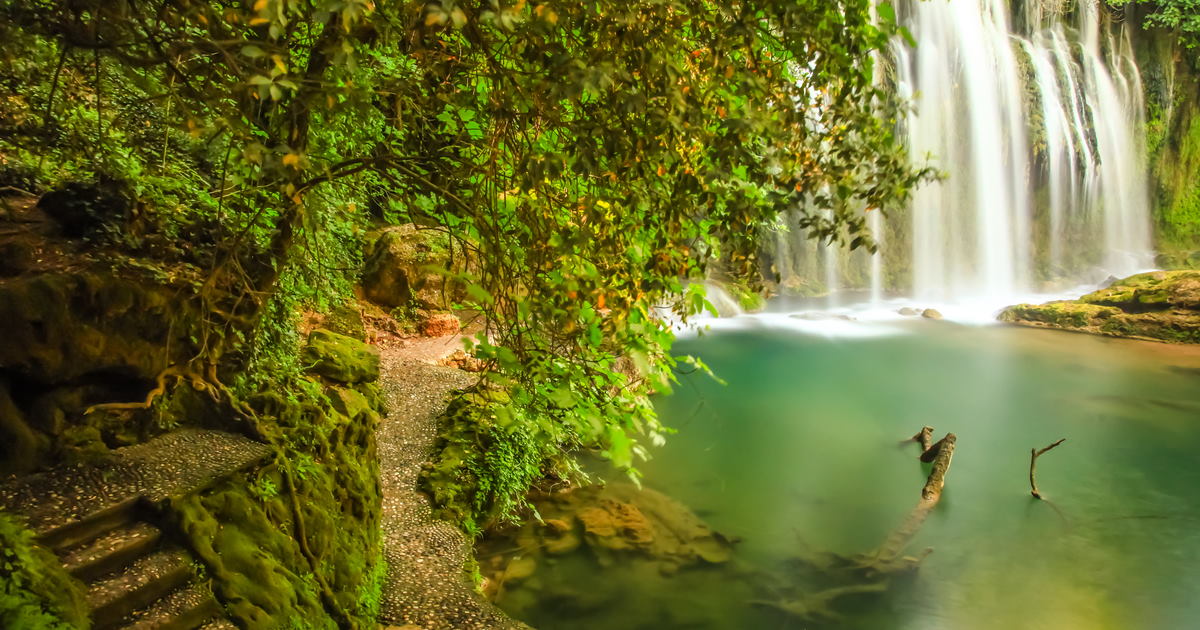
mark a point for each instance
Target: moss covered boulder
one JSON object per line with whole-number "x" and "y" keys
{"x": 409, "y": 267}
{"x": 1160, "y": 305}
{"x": 341, "y": 358}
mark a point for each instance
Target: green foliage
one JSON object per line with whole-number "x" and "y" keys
{"x": 1182, "y": 217}
{"x": 296, "y": 544}
{"x": 35, "y": 592}
{"x": 264, "y": 489}
{"x": 370, "y": 594}
{"x": 1181, "y": 16}
{"x": 488, "y": 456}
{"x": 589, "y": 160}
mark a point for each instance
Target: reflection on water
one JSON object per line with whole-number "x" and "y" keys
{"x": 800, "y": 453}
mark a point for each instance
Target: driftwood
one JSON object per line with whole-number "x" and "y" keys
{"x": 1034, "y": 454}
{"x": 924, "y": 438}
{"x": 887, "y": 557}
{"x": 870, "y": 572}
{"x": 931, "y": 452}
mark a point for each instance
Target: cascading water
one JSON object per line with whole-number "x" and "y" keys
{"x": 1034, "y": 117}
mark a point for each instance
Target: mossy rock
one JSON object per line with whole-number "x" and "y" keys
{"x": 341, "y": 358}
{"x": 1061, "y": 314}
{"x": 297, "y": 540}
{"x": 347, "y": 320}
{"x": 409, "y": 267}
{"x": 64, "y": 326}
{"x": 1156, "y": 290}
{"x": 1160, "y": 305}
{"x": 35, "y": 592}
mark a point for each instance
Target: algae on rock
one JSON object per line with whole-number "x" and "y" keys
{"x": 341, "y": 358}
{"x": 1160, "y": 305}
{"x": 35, "y": 592}
{"x": 296, "y": 543}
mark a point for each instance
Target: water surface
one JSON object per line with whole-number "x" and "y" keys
{"x": 800, "y": 451}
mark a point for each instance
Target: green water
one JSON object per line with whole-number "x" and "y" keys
{"x": 800, "y": 450}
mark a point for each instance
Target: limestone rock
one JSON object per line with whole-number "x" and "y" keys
{"x": 63, "y": 326}
{"x": 1160, "y": 305}
{"x": 440, "y": 325}
{"x": 909, "y": 311}
{"x": 931, "y": 313}
{"x": 341, "y": 358}
{"x": 406, "y": 266}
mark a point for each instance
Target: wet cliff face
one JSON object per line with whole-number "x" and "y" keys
{"x": 76, "y": 339}
{"x": 1171, "y": 75}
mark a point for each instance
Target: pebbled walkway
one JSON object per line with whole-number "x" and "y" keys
{"x": 427, "y": 585}
{"x": 174, "y": 464}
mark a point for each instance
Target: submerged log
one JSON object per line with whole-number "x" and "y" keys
{"x": 887, "y": 558}
{"x": 870, "y": 572}
{"x": 819, "y": 606}
{"x": 931, "y": 452}
{"x": 924, "y": 437}
{"x": 1034, "y": 454}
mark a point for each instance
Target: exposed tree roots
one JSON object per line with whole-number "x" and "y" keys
{"x": 203, "y": 383}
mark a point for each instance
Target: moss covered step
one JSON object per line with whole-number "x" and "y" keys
{"x": 185, "y": 609}
{"x": 111, "y": 550}
{"x": 218, "y": 624}
{"x": 1159, "y": 306}
{"x": 145, "y": 581}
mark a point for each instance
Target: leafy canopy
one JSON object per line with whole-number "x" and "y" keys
{"x": 588, "y": 160}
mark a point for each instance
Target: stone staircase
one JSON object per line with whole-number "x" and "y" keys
{"x": 134, "y": 578}
{"x": 105, "y": 525}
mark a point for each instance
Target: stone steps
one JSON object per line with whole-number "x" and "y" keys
{"x": 190, "y": 607}
{"x": 59, "y": 535}
{"x": 146, "y": 580}
{"x": 101, "y": 521}
{"x": 111, "y": 551}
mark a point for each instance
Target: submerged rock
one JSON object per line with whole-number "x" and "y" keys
{"x": 1160, "y": 305}
{"x": 909, "y": 311}
{"x": 931, "y": 313}
{"x": 622, "y": 519}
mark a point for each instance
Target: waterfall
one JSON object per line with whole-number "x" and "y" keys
{"x": 1054, "y": 106}
{"x": 875, "y": 225}
{"x": 1034, "y": 117}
